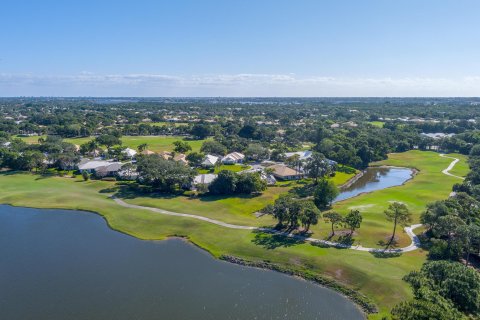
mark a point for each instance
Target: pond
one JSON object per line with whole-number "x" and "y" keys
{"x": 376, "y": 178}
{"x": 58, "y": 264}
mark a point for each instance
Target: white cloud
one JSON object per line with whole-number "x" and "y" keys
{"x": 91, "y": 84}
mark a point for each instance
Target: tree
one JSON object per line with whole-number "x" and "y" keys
{"x": 256, "y": 152}
{"x": 294, "y": 162}
{"x": 317, "y": 166}
{"x": 325, "y": 193}
{"x": 224, "y": 183}
{"x": 399, "y": 214}
{"x": 142, "y": 147}
{"x": 30, "y": 160}
{"x": 195, "y": 158}
{"x": 285, "y": 210}
{"x": 248, "y": 131}
{"x": 89, "y": 147}
{"x": 431, "y": 307}
{"x": 108, "y": 140}
{"x": 280, "y": 210}
{"x": 466, "y": 235}
{"x": 200, "y": 131}
{"x": 309, "y": 214}
{"x": 181, "y": 146}
{"x": 434, "y": 211}
{"x": 452, "y": 237}
{"x": 250, "y": 182}
{"x": 163, "y": 175}
{"x": 128, "y": 169}
{"x": 334, "y": 218}
{"x": 85, "y": 176}
{"x": 449, "y": 285}
{"x": 353, "y": 220}
{"x": 213, "y": 147}
{"x": 475, "y": 151}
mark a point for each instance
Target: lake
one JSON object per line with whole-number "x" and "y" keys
{"x": 376, "y": 178}
{"x": 58, "y": 264}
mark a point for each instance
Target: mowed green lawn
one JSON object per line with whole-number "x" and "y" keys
{"x": 461, "y": 169}
{"x": 429, "y": 185}
{"x": 237, "y": 209}
{"x": 155, "y": 143}
{"x": 378, "y": 278}
{"x": 379, "y": 124}
{"x": 228, "y": 167}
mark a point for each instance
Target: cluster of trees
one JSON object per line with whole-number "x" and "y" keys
{"x": 291, "y": 213}
{"x": 446, "y": 287}
{"x": 324, "y": 193}
{"x": 462, "y": 143}
{"x": 170, "y": 176}
{"x": 228, "y": 182}
{"x": 164, "y": 175}
{"x": 443, "y": 290}
{"x": 253, "y": 128}
{"x": 453, "y": 225}
{"x": 51, "y": 152}
{"x": 352, "y": 220}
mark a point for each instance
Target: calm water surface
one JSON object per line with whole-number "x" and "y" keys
{"x": 57, "y": 264}
{"x": 376, "y": 178}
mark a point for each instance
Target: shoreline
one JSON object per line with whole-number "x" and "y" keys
{"x": 362, "y": 302}
{"x": 414, "y": 172}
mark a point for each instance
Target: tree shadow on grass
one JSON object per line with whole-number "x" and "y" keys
{"x": 346, "y": 240}
{"x": 209, "y": 197}
{"x": 385, "y": 254}
{"x": 44, "y": 176}
{"x": 323, "y": 245}
{"x": 272, "y": 241}
{"x": 388, "y": 244}
{"x": 303, "y": 191}
{"x": 342, "y": 242}
{"x": 132, "y": 190}
{"x": 9, "y": 172}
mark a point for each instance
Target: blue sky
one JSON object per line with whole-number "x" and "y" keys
{"x": 240, "y": 48}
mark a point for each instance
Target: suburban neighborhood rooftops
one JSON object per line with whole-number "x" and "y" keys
{"x": 209, "y": 160}
{"x": 112, "y": 167}
{"x": 95, "y": 164}
{"x": 233, "y": 157}
{"x": 282, "y": 170}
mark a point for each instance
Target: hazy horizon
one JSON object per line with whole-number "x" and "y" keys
{"x": 265, "y": 48}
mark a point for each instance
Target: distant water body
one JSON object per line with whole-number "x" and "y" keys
{"x": 57, "y": 264}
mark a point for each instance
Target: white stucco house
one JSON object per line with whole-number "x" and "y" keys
{"x": 210, "y": 161}
{"x": 233, "y": 158}
{"x": 100, "y": 167}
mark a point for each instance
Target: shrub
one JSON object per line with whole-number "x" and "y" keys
{"x": 109, "y": 179}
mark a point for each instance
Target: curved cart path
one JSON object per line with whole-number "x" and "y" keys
{"x": 450, "y": 167}
{"x": 409, "y": 230}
